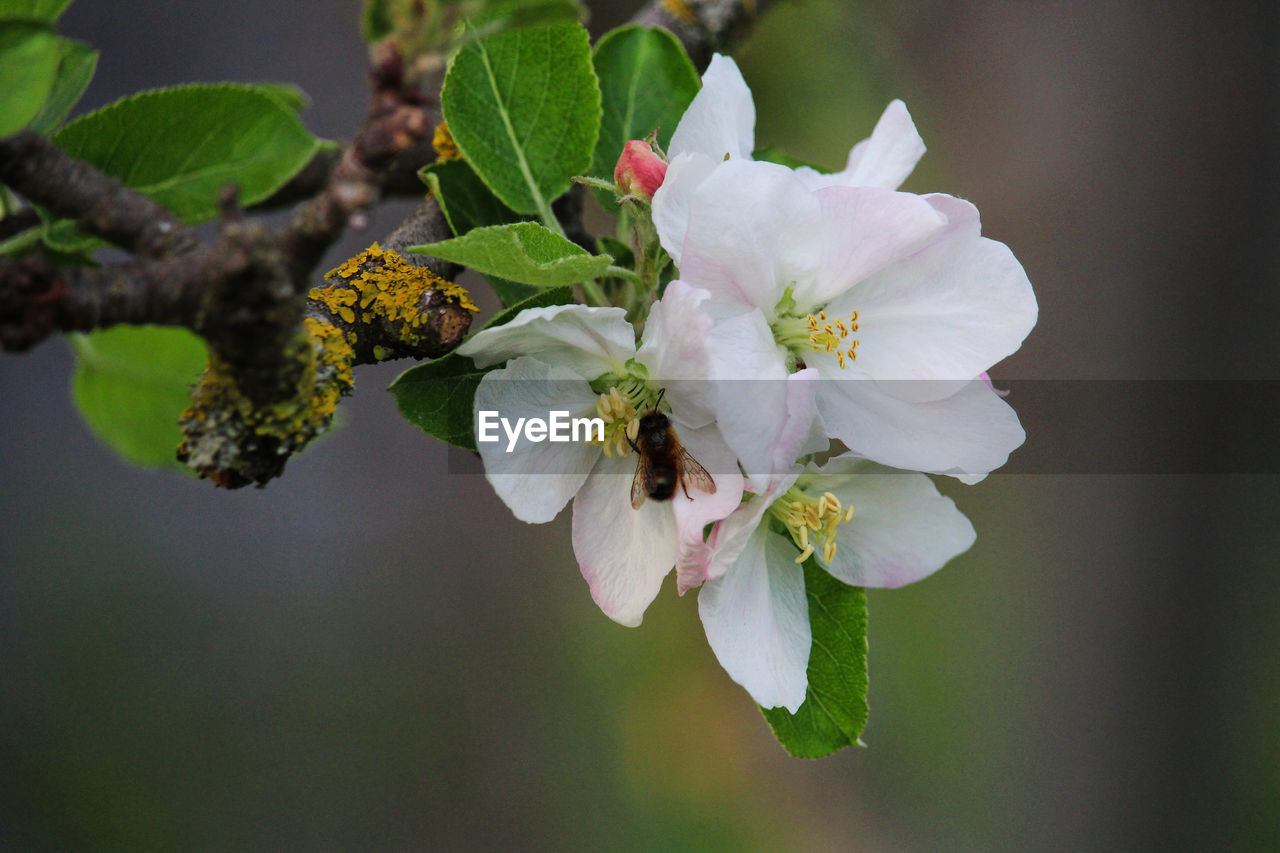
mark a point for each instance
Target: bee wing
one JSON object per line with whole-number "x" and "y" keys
{"x": 639, "y": 484}
{"x": 693, "y": 474}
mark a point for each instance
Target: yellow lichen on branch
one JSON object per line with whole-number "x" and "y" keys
{"x": 226, "y": 436}
{"x": 380, "y": 288}
{"x": 442, "y": 142}
{"x": 680, "y": 8}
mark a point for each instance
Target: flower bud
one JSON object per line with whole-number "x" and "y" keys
{"x": 640, "y": 170}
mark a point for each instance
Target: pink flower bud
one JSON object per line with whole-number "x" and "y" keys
{"x": 639, "y": 171}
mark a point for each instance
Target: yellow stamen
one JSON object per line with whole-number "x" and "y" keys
{"x": 830, "y": 337}
{"x": 621, "y": 422}
{"x": 812, "y": 521}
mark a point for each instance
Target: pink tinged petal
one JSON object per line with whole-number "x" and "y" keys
{"x": 902, "y": 530}
{"x": 757, "y": 621}
{"x": 534, "y": 479}
{"x": 685, "y": 173}
{"x": 623, "y": 553}
{"x": 966, "y": 435}
{"x": 698, "y": 509}
{"x": 771, "y": 423}
{"x": 754, "y": 230}
{"x": 865, "y": 229}
{"x": 589, "y": 341}
{"x": 962, "y": 217}
{"x": 674, "y": 349}
{"x": 751, "y": 394}
{"x": 947, "y": 313}
{"x": 721, "y": 119}
{"x": 729, "y": 537}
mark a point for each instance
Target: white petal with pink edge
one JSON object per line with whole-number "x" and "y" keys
{"x": 693, "y": 512}
{"x": 623, "y": 553}
{"x": 967, "y": 435}
{"x": 754, "y": 230}
{"x": 948, "y": 312}
{"x": 902, "y": 530}
{"x": 674, "y": 350}
{"x": 757, "y": 621}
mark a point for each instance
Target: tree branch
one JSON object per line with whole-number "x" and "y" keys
{"x": 101, "y": 205}
{"x": 703, "y": 26}
{"x": 279, "y": 361}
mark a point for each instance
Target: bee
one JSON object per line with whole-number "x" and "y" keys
{"x": 663, "y": 463}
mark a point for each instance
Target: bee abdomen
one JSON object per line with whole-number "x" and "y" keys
{"x": 664, "y": 483}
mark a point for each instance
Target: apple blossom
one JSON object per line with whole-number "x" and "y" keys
{"x": 859, "y": 283}
{"x": 867, "y": 525}
{"x": 841, "y": 274}
{"x": 585, "y": 361}
{"x": 719, "y": 126}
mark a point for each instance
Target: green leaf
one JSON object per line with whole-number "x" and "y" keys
{"x": 33, "y": 10}
{"x": 522, "y": 251}
{"x": 646, "y": 83}
{"x": 132, "y": 383}
{"x": 524, "y": 108}
{"x": 465, "y": 200}
{"x": 29, "y": 57}
{"x": 467, "y": 203}
{"x": 180, "y": 146}
{"x": 62, "y": 235}
{"x": 75, "y": 69}
{"x": 835, "y": 706}
{"x": 510, "y": 292}
{"x": 437, "y": 397}
{"x": 287, "y": 95}
{"x": 498, "y": 15}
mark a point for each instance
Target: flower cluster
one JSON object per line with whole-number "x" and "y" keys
{"x": 806, "y": 309}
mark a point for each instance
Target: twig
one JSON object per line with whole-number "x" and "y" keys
{"x": 102, "y": 205}
{"x": 703, "y": 26}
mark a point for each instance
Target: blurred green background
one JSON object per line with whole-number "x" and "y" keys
{"x": 372, "y": 653}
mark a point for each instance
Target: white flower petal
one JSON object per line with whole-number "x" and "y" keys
{"x": 962, "y": 216}
{"x": 902, "y": 530}
{"x": 754, "y": 230}
{"x": 589, "y": 341}
{"x": 970, "y": 433}
{"x": 764, "y": 414}
{"x": 864, "y": 229}
{"x": 720, "y": 121}
{"x": 674, "y": 349}
{"x": 948, "y": 312}
{"x": 623, "y": 553}
{"x": 889, "y": 155}
{"x": 685, "y": 173}
{"x": 698, "y": 509}
{"x": 730, "y": 536}
{"x": 535, "y": 479}
{"x": 757, "y": 621}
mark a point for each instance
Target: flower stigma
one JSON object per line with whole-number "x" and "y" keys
{"x": 808, "y": 519}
